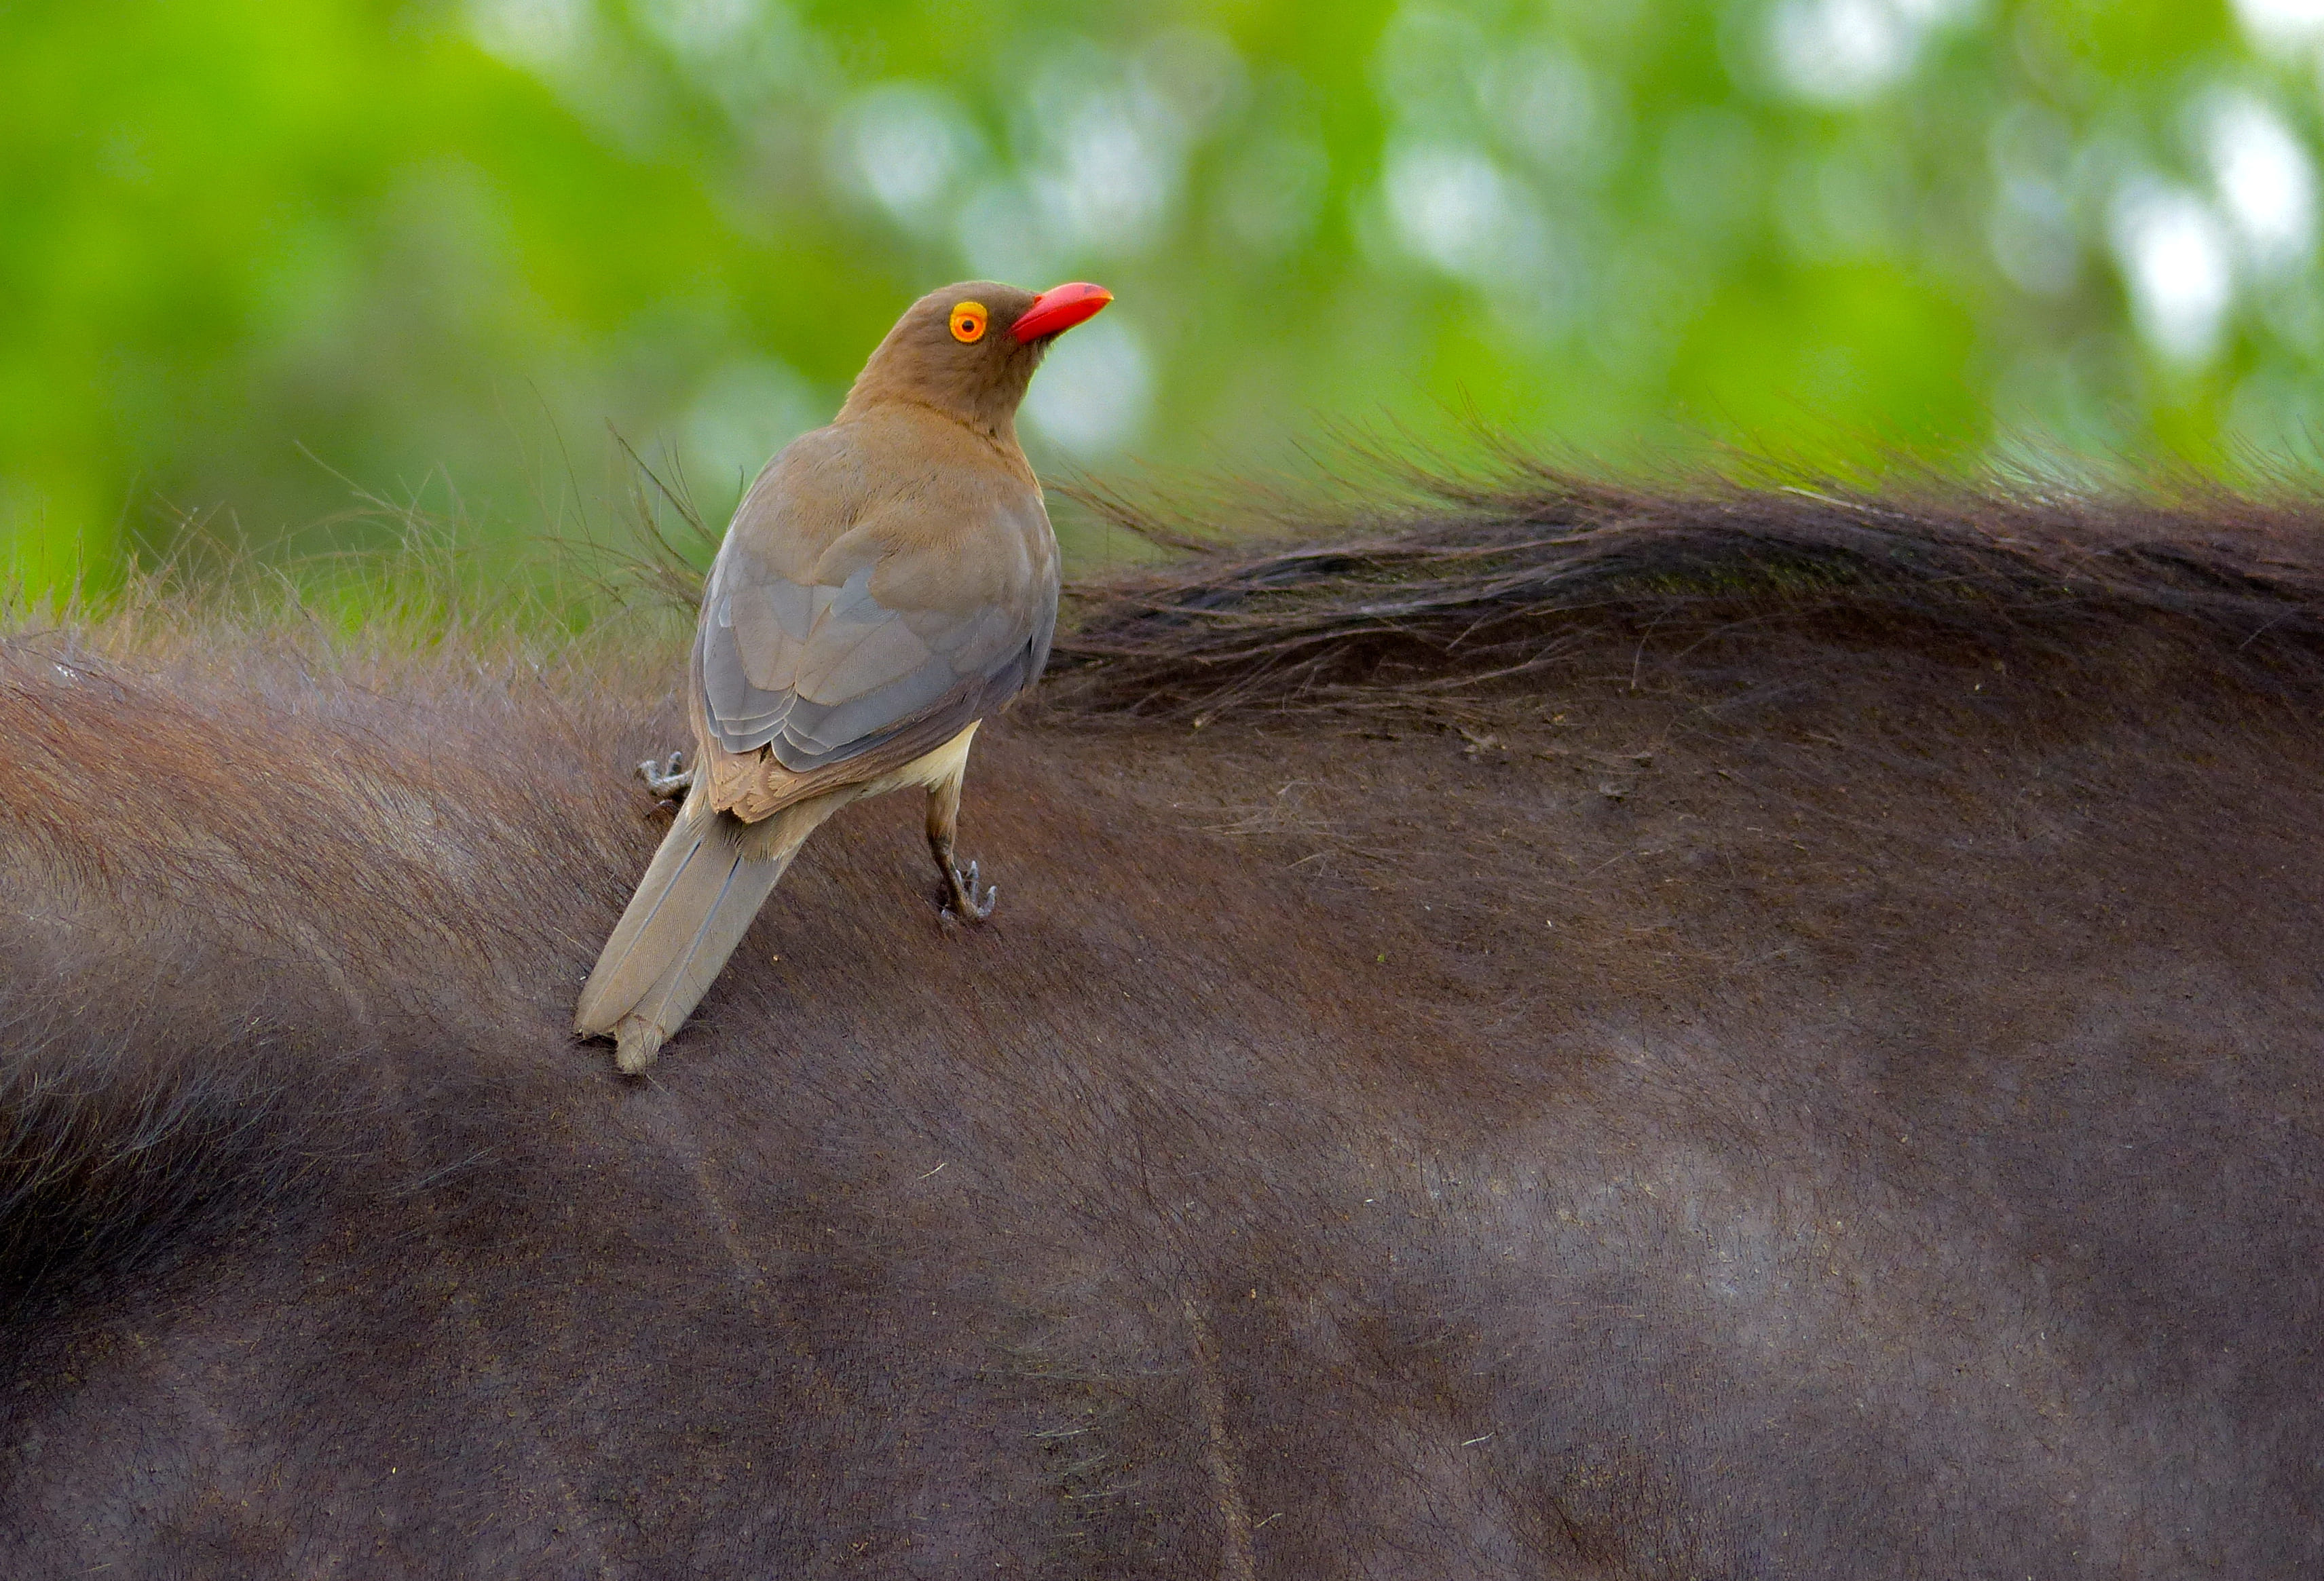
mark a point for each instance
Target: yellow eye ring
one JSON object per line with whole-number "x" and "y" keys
{"x": 968, "y": 322}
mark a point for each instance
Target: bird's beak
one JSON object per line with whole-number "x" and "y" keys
{"x": 1058, "y": 309}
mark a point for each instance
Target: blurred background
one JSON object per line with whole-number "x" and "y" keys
{"x": 262, "y": 259}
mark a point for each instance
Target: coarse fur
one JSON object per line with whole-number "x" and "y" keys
{"x": 1541, "y": 1031}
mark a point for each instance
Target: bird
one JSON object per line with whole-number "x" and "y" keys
{"x": 885, "y": 584}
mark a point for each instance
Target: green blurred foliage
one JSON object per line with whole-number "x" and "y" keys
{"x": 257, "y": 258}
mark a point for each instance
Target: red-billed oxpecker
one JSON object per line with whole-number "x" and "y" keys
{"x": 886, "y": 584}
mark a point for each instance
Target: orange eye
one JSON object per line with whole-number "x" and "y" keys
{"x": 968, "y": 322}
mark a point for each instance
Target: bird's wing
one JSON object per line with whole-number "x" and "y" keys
{"x": 827, "y": 647}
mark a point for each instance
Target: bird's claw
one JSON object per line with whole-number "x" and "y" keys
{"x": 966, "y": 905}
{"x": 669, "y": 780}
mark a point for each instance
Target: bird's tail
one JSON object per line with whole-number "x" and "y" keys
{"x": 691, "y": 909}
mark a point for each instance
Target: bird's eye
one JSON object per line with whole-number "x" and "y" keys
{"x": 968, "y": 322}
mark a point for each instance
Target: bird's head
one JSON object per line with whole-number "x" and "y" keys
{"x": 969, "y": 350}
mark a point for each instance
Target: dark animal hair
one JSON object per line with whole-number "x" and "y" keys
{"x": 1431, "y": 578}
{"x": 1535, "y": 1028}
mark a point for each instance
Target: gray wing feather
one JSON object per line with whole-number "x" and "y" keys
{"x": 1044, "y": 631}
{"x": 825, "y": 673}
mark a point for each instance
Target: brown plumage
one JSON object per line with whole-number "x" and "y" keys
{"x": 887, "y": 582}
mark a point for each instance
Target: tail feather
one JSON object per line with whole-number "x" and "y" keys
{"x": 680, "y": 885}
{"x": 690, "y": 911}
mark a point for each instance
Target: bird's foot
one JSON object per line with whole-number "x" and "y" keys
{"x": 966, "y": 905}
{"x": 670, "y": 780}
